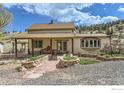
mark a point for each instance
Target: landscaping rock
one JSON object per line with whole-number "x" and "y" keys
{"x": 21, "y": 68}
{"x": 2, "y": 63}
{"x": 101, "y": 58}
{"x": 88, "y": 55}
{"x": 29, "y": 64}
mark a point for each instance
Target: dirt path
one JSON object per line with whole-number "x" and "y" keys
{"x": 45, "y": 66}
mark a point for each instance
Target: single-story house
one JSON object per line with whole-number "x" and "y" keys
{"x": 62, "y": 37}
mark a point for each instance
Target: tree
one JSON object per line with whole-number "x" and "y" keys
{"x": 5, "y": 17}
{"x": 110, "y": 33}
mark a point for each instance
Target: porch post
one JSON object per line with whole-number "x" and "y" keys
{"x": 28, "y": 48}
{"x": 15, "y": 49}
{"x": 72, "y": 45}
{"x": 51, "y": 44}
{"x": 32, "y": 47}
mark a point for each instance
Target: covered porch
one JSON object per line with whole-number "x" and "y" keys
{"x": 45, "y": 44}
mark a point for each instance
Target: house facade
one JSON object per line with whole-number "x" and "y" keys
{"x": 62, "y": 37}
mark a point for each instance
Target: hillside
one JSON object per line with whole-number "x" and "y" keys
{"x": 116, "y": 26}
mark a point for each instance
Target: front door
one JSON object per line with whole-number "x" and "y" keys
{"x": 62, "y": 46}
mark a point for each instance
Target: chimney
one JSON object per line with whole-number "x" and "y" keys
{"x": 51, "y": 22}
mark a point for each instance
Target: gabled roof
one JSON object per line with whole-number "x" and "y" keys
{"x": 54, "y": 26}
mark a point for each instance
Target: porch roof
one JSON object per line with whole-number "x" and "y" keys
{"x": 55, "y": 35}
{"x": 29, "y": 36}
{"x": 90, "y": 35}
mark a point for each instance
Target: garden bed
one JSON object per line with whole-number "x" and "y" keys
{"x": 68, "y": 57}
{"x": 104, "y": 57}
{"x": 67, "y": 60}
{"x": 31, "y": 62}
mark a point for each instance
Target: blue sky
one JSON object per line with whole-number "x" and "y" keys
{"x": 26, "y": 14}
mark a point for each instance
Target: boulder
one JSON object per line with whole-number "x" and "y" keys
{"x": 2, "y": 63}
{"x": 21, "y": 68}
{"x": 29, "y": 64}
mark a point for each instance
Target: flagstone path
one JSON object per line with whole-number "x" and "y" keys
{"x": 45, "y": 66}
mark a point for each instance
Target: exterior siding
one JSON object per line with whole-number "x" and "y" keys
{"x": 76, "y": 44}
{"x": 104, "y": 41}
{"x": 46, "y": 42}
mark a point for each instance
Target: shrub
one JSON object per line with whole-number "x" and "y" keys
{"x": 69, "y": 57}
{"x": 34, "y": 58}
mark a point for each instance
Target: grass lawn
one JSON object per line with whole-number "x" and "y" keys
{"x": 85, "y": 62}
{"x": 69, "y": 57}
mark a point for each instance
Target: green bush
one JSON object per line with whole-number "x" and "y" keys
{"x": 69, "y": 57}
{"x": 107, "y": 56}
{"x": 34, "y": 58}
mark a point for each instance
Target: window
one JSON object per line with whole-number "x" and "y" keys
{"x": 65, "y": 46}
{"x": 86, "y": 43}
{"x": 82, "y": 43}
{"x": 38, "y": 43}
{"x": 95, "y": 44}
{"x": 90, "y": 43}
{"x": 62, "y": 45}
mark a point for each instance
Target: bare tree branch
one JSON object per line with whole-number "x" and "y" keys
{"x": 5, "y": 17}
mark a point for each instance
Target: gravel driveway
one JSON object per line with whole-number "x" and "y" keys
{"x": 104, "y": 73}
{"x": 9, "y": 75}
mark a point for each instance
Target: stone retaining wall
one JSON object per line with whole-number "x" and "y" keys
{"x": 6, "y": 56}
{"x": 87, "y": 55}
{"x": 102, "y": 58}
{"x": 65, "y": 63}
{"x": 109, "y": 59}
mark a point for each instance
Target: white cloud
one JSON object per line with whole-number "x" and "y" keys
{"x": 8, "y": 5}
{"x": 121, "y": 9}
{"x": 65, "y": 12}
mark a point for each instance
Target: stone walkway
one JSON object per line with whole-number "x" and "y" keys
{"x": 45, "y": 66}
